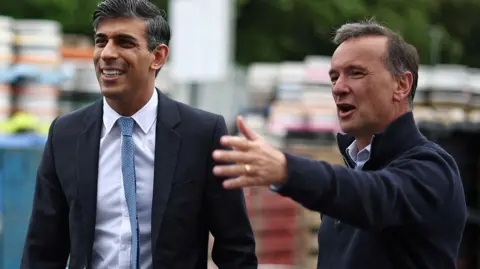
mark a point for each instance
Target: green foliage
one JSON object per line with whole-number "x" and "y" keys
{"x": 278, "y": 30}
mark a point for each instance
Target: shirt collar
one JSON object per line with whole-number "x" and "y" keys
{"x": 352, "y": 150}
{"x": 145, "y": 117}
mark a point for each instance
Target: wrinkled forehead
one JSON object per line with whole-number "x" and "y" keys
{"x": 361, "y": 51}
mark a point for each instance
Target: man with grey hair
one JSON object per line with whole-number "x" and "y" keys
{"x": 399, "y": 201}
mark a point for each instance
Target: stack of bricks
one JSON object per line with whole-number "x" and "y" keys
{"x": 309, "y": 221}
{"x": 285, "y": 232}
{"x": 275, "y": 224}
{"x": 308, "y": 251}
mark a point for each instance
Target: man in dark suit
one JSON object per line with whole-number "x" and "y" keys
{"x": 127, "y": 182}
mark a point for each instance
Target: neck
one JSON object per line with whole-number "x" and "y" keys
{"x": 365, "y": 139}
{"x": 363, "y": 142}
{"x": 130, "y": 105}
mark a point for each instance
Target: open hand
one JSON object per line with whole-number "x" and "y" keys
{"x": 255, "y": 161}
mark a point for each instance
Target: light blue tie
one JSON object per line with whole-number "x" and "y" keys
{"x": 129, "y": 183}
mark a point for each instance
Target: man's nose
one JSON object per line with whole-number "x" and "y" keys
{"x": 109, "y": 51}
{"x": 339, "y": 87}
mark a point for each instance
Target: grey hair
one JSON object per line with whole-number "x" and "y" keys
{"x": 157, "y": 27}
{"x": 401, "y": 56}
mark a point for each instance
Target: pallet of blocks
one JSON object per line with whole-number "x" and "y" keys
{"x": 309, "y": 221}
{"x": 274, "y": 220}
{"x": 322, "y": 150}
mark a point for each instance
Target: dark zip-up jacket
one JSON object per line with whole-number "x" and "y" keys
{"x": 406, "y": 209}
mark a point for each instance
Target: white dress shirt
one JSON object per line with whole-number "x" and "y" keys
{"x": 111, "y": 247}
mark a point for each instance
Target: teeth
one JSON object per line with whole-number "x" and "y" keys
{"x": 112, "y": 73}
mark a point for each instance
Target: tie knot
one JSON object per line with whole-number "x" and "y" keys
{"x": 126, "y": 124}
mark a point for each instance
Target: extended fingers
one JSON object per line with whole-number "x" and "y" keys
{"x": 232, "y": 170}
{"x": 236, "y": 142}
{"x": 232, "y": 156}
{"x": 240, "y": 182}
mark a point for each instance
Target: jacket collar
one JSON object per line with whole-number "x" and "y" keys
{"x": 167, "y": 111}
{"x": 401, "y": 135}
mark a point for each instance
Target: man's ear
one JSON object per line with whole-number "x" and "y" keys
{"x": 160, "y": 56}
{"x": 404, "y": 86}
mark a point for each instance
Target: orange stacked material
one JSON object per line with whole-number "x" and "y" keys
{"x": 82, "y": 89}
{"x": 38, "y": 42}
{"x": 82, "y": 53}
{"x": 274, "y": 219}
{"x": 5, "y": 102}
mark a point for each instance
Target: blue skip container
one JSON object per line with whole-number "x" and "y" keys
{"x": 20, "y": 156}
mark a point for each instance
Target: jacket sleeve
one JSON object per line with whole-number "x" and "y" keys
{"x": 234, "y": 245}
{"x": 407, "y": 192}
{"x": 47, "y": 242}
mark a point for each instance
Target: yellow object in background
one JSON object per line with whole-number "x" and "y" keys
{"x": 22, "y": 122}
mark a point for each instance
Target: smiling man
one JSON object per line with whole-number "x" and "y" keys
{"x": 399, "y": 203}
{"x": 127, "y": 182}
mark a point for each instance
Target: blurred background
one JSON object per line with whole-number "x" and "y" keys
{"x": 266, "y": 60}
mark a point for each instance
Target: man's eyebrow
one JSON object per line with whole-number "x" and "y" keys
{"x": 349, "y": 67}
{"x": 122, "y": 36}
{"x": 126, "y": 36}
{"x": 100, "y": 35}
{"x": 356, "y": 66}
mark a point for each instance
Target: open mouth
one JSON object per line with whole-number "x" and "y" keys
{"x": 345, "y": 109}
{"x": 112, "y": 73}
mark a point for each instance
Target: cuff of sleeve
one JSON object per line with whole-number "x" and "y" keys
{"x": 307, "y": 180}
{"x": 280, "y": 188}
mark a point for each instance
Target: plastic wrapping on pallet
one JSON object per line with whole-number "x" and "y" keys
{"x": 423, "y": 85}
{"x": 450, "y": 115}
{"x": 6, "y": 55}
{"x": 38, "y": 42}
{"x": 449, "y": 85}
{"x": 322, "y": 119}
{"x": 291, "y": 73}
{"x": 318, "y": 95}
{"x": 38, "y": 99}
{"x": 289, "y": 92}
{"x": 262, "y": 79}
{"x": 286, "y": 116}
{"x": 473, "y": 84}
{"x": 329, "y": 153}
{"x": 45, "y": 74}
{"x": 423, "y": 113}
{"x": 82, "y": 89}
{"x": 86, "y": 78}
{"x": 6, "y": 42}
{"x": 474, "y": 116}
{"x": 316, "y": 70}
{"x": 5, "y": 101}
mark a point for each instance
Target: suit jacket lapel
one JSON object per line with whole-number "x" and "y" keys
{"x": 87, "y": 159}
{"x": 167, "y": 144}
